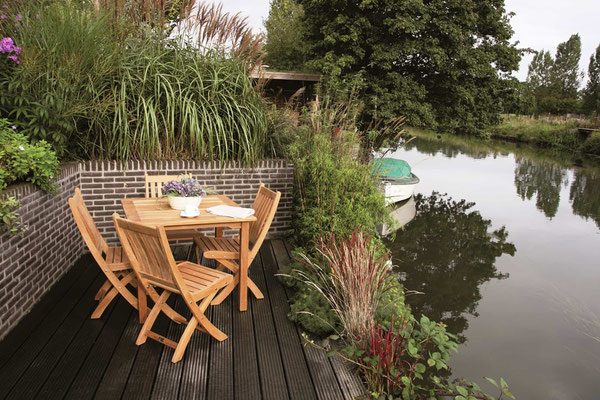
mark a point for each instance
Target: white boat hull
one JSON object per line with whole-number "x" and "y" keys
{"x": 395, "y": 191}
{"x": 402, "y": 215}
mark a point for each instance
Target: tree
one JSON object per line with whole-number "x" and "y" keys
{"x": 566, "y": 77}
{"x": 539, "y": 81}
{"x": 438, "y": 63}
{"x": 284, "y": 47}
{"x": 591, "y": 93}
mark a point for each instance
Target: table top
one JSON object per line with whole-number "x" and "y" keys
{"x": 156, "y": 211}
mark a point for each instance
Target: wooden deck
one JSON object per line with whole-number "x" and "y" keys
{"x": 58, "y": 352}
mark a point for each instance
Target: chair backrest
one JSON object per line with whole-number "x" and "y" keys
{"x": 154, "y": 183}
{"x": 265, "y": 206}
{"x": 87, "y": 227}
{"x": 149, "y": 254}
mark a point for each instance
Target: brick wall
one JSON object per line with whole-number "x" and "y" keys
{"x": 31, "y": 264}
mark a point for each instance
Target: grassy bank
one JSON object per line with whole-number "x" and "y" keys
{"x": 556, "y": 132}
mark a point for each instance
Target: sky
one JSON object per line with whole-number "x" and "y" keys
{"x": 538, "y": 24}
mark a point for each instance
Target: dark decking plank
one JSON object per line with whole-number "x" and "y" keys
{"x": 168, "y": 375}
{"x": 90, "y": 374}
{"x": 245, "y": 364}
{"x": 13, "y": 369}
{"x": 220, "y": 370}
{"x": 347, "y": 379}
{"x": 322, "y": 373}
{"x": 298, "y": 378}
{"x": 56, "y": 364}
{"x": 115, "y": 378}
{"x": 141, "y": 378}
{"x": 270, "y": 365}
{"x": 196, "y": 359}
{"x": 11, "y": 342}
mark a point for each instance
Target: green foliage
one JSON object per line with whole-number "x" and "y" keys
{"x": 96, "y": 85}
{"x": 592, "y": 144}
{"x": 285, "y": 50}
{"x": 21, "y": 161}
{"x": 437, "y": 63}
{"x": 554, "y": 83}
{"x": 333, "y": 191}
{"x": 591, "y": 94}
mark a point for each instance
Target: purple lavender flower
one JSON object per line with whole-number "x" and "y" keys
{"x": 7, "y": 45}
{"x": 186, "y": 187}
{"x": 15, "y": 59}
{"x": 2, "y": 16}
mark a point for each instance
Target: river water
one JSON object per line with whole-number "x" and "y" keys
{"x": 505, "y": 248}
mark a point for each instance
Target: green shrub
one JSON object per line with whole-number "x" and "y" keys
{"x": 333, "y": 191}
{"x": 21, "y": 161}
{"x": 592, "y": 144}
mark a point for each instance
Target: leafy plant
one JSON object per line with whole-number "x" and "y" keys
{"x": 352, "y": 279}
{"x": 185, "y": 187}
{"x": 21, "y": 161}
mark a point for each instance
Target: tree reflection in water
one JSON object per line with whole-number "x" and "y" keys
{"x": 447, "y": 252}
{"x": 545, "y": 180}
{"x": 585, "y": 194}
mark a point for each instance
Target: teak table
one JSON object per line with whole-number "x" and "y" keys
{"x": 156, "y": 211}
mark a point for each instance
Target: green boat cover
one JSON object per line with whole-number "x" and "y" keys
{"x": 391, "y": 168}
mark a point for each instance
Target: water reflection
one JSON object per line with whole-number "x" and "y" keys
{"x": 542, "y": 179}
{"x": 585, "y": 194}
{"x": 447, "y": 252}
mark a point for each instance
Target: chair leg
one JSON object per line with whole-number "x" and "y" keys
{"x": 208, "y": 327}
{"x": 255, "y": 290}
{"x": 226, "y": 291}
{"x": 103, "y": 290}
{"x": 184, "y": 340}
{"x": 146, "y": 328}
{"x": 106, "y": 300}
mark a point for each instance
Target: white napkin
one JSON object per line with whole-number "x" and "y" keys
{"x": 229, "y": 211}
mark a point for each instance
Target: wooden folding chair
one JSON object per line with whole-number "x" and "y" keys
{"x": 111, "y": 260}
{"x": 226, "y": 251}
{"x": 150, "y": 256}
{"x": 153, "y": 185}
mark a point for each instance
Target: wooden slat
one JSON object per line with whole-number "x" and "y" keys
{"x": 348, "y": 378}
{"x": 272, "y": 376}
{"x": 13, "y": 369}
{"x": 62, "y": 356}
{"x": 90, "y": 374}
{"x": 155, "y": 212}
{"x": 298, "y": 377}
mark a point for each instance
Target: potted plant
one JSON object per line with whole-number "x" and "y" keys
{"x": 183, "y": 193}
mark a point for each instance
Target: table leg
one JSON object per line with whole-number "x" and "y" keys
{"x": 142, "y": 303}
{"x": 219, "y": 232}
{"x": 244, "y": 233}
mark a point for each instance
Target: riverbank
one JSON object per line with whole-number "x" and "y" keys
{"x": 555, "y": 132}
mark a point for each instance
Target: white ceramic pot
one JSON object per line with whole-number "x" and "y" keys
{"x": 180, "y": 203}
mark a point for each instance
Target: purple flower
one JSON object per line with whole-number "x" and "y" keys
{"x": 19, "y": 17}
{"x": 17, "y": 50}
{"x": 2, "y": 16}
{"x": 14, "y": 127}
{"x": 186, "y": 187}
{"x": 15, "y": 59}
{"x": 37, "y": 16}
{"x": 6, "y": 45}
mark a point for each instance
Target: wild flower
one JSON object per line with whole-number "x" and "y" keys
{"x": 19, "y": 17}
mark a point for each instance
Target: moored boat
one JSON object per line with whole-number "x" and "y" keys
{"x": 397, "y": 180}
